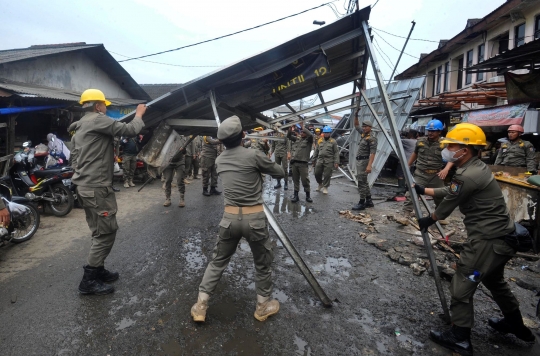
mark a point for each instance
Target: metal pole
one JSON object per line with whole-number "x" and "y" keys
{"x": 296, "y": 257}
{"x": 401, "y": 54}
{"x": 213, "y": 102}
{"x": 287, "y": 242}
{"x": 408, "y": 177}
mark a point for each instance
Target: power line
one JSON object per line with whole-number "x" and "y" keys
{"x": 411, "y": 39}
{"x": 410, "y": 55}
{"x": 380, "y": 49}
{"x": 376, "y": 2}
{"x": 230, "y": 34}
{"x": 168, "y": 64}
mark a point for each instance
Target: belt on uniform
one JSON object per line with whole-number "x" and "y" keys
{"x": 359, "y": 158}
{"x": 431, "y": 171}
{"x": 243, "y": 209}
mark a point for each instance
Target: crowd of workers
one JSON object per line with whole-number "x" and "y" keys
{"x": 472, "y": 188}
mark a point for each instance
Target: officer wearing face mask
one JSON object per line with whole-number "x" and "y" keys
{"x": 477, "y": 194}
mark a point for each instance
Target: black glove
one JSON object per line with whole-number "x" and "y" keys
{"x": 420, "y": 189}
{"x": 426, "y": 222}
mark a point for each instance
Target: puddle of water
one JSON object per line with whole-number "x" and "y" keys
{"x": 289, "y": 261}
{"x": 172, "y": 348}
{"x": 139, "y": 313}
{"x": 381, "y": 348}
{"x": 280, "y": 295}
{"x": 244, "y": 246}
{"x": 133, "y": 300}
{"x": 194, "y": 257}
{"x": 302, "y": 346}
{"x": 89, "y": 331}
{"x": 161, "y": 292}
{"x": 280, "y": 203}
{"x": 125, "y": 323}
{"x": 336, "y": 267}
{"x": 408, "y": 339}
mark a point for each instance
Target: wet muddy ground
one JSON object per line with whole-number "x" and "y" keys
{"x": 380, "y": 306}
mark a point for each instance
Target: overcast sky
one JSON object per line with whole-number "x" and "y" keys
{"x": 139, "y": 27}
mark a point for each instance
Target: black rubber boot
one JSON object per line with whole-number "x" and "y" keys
{"x": 115, "y": 189}
{"x": 369, "y": 202}
{"x": 457, "y": 339}
{"x": 91, "y": 284}
{"x": 295, "y": 197}
{"x": 286, "y": 186}
{"x": 402, "y": 189}
{"x": 360, "y": 205}
{"x": 106, "y": 276}
{"x": 214, "y": 191}
{"x": 308, "y": 197}
{"x": 205, "y": 191}
{"x": 512, "y": 323}
{"x": 278, "y": 185}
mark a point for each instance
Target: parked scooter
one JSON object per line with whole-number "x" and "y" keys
{"x": 24, "y": 217}
{"x": 48, "y": 185}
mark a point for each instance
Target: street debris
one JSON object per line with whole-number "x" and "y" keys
{"x": 361, "y": 218}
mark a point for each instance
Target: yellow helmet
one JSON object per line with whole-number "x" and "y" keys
{"x": 93, "y": 95}
{"x": 260, "y": 128}
{"x": 466, "y": 134}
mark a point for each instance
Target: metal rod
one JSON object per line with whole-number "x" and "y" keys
{"x": 291, "y": 123}
{"x": 437, "y": 224}
{"x": 401, "y": 53}
{"x": 408, "y": 177}
{"x": 345, "y": 174}
{"x": 312, "y": 108}
{"x": 322, "y": 101}
{"x": 296, "y": 257}
{"x": 214, "y": 108}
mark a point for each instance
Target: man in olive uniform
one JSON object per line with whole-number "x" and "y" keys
{"x": 197, "y": 146}
{"x": 130, "y": 149}
{"x": 177, "y": 165}
{"x": 367, "y": 147}
{"x": 477, "y": 194}
{"x": 429, "y": 162}
{"x": 281, "y": 149}
{"x": 240, "y": 170}
{"x": 516, "y": 152}
{"x": 327, "y": 157}
{"x": 92, "y": 158}
{"x": 300, "y": 151}
{"x": 316, "y": 137}
{"x": 208, "y": 163}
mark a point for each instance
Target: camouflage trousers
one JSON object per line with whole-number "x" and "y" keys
{"x": 209, "y": 173}
{"x": 168, "y": 173}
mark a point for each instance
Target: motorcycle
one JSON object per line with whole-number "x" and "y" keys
{"x": 141, "y": 171}
{"x": 52, "y": 186}
{"x": 24, "y": 217}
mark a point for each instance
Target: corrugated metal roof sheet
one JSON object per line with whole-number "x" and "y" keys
{"x": 342, "y": 41}
{"x": 36, "y": 91}
{"x": 157, "y": 90}
{"x": 19, "y": 54}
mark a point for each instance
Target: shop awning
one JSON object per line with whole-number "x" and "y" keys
{"x": 497, "y": 116}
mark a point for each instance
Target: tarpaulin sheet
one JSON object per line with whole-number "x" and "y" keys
{"x": 497, "y": 116}
{"x": 305, "y": 68}
{"x": 522, "y": 88}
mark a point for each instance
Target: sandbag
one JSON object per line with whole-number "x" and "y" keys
{"x": 534, "y": 180}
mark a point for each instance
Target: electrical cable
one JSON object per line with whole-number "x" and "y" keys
{"x": 411, "y": 39}
{"x": 384, "y": 59}
{"x": 410, "y": 55}
{"x": 380, "y": 49}
{"x": 168, "y": 64}
{"x": 376, "y": 2}
{"x": 228, "y": 35}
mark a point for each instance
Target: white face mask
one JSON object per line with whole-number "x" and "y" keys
{"x": 448, "y": 155}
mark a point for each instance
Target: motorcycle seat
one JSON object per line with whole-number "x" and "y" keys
{"x": 49, "y": 172}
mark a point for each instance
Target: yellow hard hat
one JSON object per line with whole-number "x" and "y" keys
{"x": 317, "y": 130}
{"x": 260, "y": 128}
{"x": 93, "y": 95}
{"x": 466, "y": 134}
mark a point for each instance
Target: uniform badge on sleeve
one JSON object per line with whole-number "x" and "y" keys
{"x": 455, "y": 186}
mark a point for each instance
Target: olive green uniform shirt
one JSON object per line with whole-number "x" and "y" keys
{"x": 240, "y": 170}
{"x": 281, "y": 148}
{"x": 210, "y": 147}
{"x": 92, "y": 156}
{"x": 367, "y": 144}
{"x": 479, "y": 197}
{"x": 428, "y": 154}
{"x": 259, "y": 144}
{"x": 326, "y": 151}
{"x": 519, "y": 153}
{"x": 300, "y": 147}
